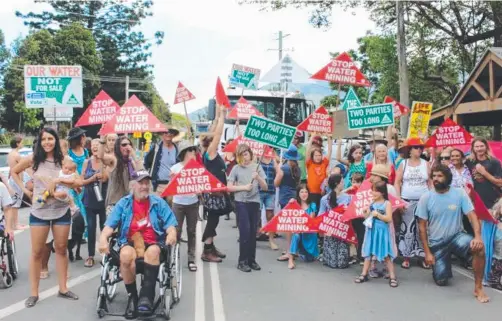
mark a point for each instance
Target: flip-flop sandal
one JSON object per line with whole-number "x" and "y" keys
{"x": 89, "y": 263}
{"x": 393, "y": 283}
{"x": 361, "y": 279}
{"x": 283, "y": 258}
{"x": 68, "y": 295}
{"x": 31, "y": 301}
{"x": 44, "y": 275}
{"x": 192, "y": 267}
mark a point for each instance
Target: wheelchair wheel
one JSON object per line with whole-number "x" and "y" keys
{"x": 111, "y": 289}
{"x": 11, "y": 258}
{"x": 166, "y": 305}
{"x": 101, "y": 307}
{"x": 5, "y": 279}
{"x": 177, "y": 274}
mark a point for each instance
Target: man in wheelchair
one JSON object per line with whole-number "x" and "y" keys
{"x": 144, "y": 218}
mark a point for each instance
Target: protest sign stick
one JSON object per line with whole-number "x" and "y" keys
{"x": 189, "y": 126}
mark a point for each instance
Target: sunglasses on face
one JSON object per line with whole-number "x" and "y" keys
{"x": 417, "y": 147}
{"x": 444, "y": 158}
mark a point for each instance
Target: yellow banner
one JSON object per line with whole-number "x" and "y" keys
{"x": 419, "y": 119}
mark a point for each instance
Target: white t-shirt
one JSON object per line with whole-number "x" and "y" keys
{"x": 188, "y": 199}
{"x": 5, "y": 199}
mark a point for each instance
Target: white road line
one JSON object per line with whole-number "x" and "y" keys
{"x": 469, "y": 275}
{"x": 219, "y": 312}
{"x": 200, "y": 302}
{"x": 16, "y": 307}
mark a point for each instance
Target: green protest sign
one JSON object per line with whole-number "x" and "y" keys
{"x": 244, "y": 77}
{"x": 269, "y": 132}
{"x": 53, "y": 86}
{"x": 381, "y": 115}
{"x": 351, "y": 100}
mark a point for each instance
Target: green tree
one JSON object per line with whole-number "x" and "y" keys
{"x": 71, "y": 45}
{"x": 179, "y": 120}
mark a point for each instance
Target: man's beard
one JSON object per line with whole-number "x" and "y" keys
{"x": 141, "y": 195}
{"x": 440, "y": 186}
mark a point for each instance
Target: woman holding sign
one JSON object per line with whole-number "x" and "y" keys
{"x": 245, "y": 180}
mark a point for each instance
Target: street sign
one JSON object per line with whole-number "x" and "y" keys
{"x": 381, "y": 115}
{"x": 62, "y": 114}
{"x": 244, "y": 77}
{"x": 342, "y": 70}
{"x": 351, "y": 100}
{"x": 53, "y": 86}
{"x": 269, "y": 132}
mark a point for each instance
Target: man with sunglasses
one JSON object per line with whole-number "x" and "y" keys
{"x": 160, "y": 159}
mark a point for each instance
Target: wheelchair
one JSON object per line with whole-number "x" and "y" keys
{"x": 8, "y": 262}
{"x": 169, "y": 280}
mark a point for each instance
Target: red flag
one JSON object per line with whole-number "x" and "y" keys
{"x": 342, "y": 70}
{"x": 479, "y": 207}
{"x": 318, "y": 122}
{"x": 243, "y": 110}
{"x": 100, "y": 110}
{"x": 182, "y": 94}
{"x": 258, "y": 149}
{"x": 399, "y": 109}
{"x": 221, "y": 97}
{"x": 449, "y": 134}
{"x": 134, "y": 116}
{"x": 193, "y": 178}
{"x": 331, "y": 224}
{"x": 362, "y": 199}
{"x": 291, "y": 219}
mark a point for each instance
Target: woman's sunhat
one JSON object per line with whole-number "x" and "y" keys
{"x": 75, "y": 132}
{"x": 380, "y": 170}
{"x": 292, "y": 153}
{"x": 411, "y": 142}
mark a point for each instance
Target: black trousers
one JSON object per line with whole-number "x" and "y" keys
{"x": 359, "y": 228}
{"x": 212, "y": 222}
{"x": 92, "y": 214}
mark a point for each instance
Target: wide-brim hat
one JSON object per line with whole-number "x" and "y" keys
{"x": 184, "y": 145}
{"x": 377, "y": 140}
{"x": 172, "y": 130}
{"x": 380, "y": 170}
{"x": 75, "y": 132}
{"x": 411, "y": 142}
{"x": 292, "y": 153}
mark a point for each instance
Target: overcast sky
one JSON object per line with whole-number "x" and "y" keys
{"x": 204, "y": 38}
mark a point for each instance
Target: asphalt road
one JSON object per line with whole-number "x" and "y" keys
{"x": 220, "y": 292}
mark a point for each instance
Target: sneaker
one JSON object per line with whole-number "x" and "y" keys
{"x": 145, "y": 306}
{"x": 255, "y": 266}
{"x": 244, "y": 267}
{"x": 209, "y": 256}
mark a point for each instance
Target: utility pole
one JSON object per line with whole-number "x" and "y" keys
{"x": 404, "y": 84}
{"x": 281, "y": 49}
{"x": 127, "y": 88}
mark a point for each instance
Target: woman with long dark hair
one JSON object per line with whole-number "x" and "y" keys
{"x": 54, "y": 214}
{"x": 121, "y": 166}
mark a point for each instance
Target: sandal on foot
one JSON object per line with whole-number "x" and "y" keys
{"x": 192, "y": 267}
{"x": 361, "y": 279}
{"x": 68, "y": 295}
{"x": 31, "y": 301}
{"x": 44, "y": 274}
{"x": 89, "y": 263}
{"x": 393, "y": 283}
{"x": 283, "y": 258}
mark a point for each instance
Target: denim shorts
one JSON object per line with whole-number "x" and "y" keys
{"x": 267, "y": 200}
{"x": 460, "y": 245}
{"x": 63, "y": 220}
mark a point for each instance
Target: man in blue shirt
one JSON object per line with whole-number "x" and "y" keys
{"x": 440, "y": 224}
{"x": 145, "y": 224}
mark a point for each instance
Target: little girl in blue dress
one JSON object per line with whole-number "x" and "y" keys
{"x": 377, "y": 238}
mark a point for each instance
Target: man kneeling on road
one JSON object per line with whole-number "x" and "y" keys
{"x": 142, "y": 212}
{"x": 440, "y": 224}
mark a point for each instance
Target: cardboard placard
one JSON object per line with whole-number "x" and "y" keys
{"x": 182, "y": 94}
{"x": 342, "y": 70}
{"x": 100, "y": 110}
{"x": 291, "y": 219}
{"x": 243, "y": 110}
{"x": 318, "y": 122}
{"x": 332, "y": 224}
{"x": 449, "y": 133}
{"x": 258, "y": 149}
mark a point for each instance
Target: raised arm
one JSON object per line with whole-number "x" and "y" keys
{"x": 212, "y": 150}
{"x": 330, "y": 146}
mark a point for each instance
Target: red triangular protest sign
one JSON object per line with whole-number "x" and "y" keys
{"x": 258, "y": 149}
{"x": 291, "y": 219}
{"x": 479, "y": 207}
{"x": 449, "y": 134}
{"x": 362, "y": 199}
{"x": 399, "y": 109}
{"x": 221, "y": 97}
{"x": 342, "y": 70}
{"x": 182, "y": 94}
{"x": 243, "y": 110}
{"x": 100, "y": 110}
{"x": 193, "y": 178}
{"x": 331, "y": 224}
{"x": 133, "y": 116}
{"x": 318, "y": 122}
